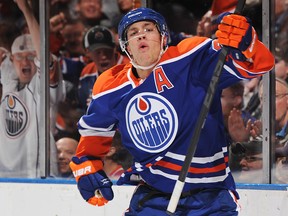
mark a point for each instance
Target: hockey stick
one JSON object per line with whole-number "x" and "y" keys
{"x": 178, "y": 188}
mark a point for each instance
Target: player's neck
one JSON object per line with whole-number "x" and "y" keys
{"x": 142, "y": 74}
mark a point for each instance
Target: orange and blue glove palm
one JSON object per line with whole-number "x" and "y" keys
{"x": 237, "y": 32}
{"x": 94, "y": 186}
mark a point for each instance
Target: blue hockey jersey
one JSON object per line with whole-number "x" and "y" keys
{"x": 156, "y": 116}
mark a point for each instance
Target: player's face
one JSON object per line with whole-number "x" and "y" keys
{"x": 24, "y": 66}
{"x": 144, "y": 42}
{"x": 104, "y": 58}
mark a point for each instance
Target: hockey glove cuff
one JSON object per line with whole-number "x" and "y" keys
{"x": 94, "y": 186}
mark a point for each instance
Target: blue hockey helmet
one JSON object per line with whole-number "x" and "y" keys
{"x": 141, "y": 14}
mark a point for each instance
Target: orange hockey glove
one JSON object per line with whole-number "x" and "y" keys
{"x": 237, "y": 32}
{"x": 92, "y": 182}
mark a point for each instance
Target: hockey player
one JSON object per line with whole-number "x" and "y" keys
{"x": 20, "y": 114}
{"x": 155, "y": 101}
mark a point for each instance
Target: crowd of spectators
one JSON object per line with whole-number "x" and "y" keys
{"x": 84, "y": 42}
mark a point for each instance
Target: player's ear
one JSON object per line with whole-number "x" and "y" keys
{"x": 165, "y": 42}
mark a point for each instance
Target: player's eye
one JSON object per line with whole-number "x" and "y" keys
{"x": 133, "y": 33}
{"x": 149, "y": 29}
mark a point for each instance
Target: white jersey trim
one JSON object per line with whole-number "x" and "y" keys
{"x": 213, "y": 179}
{"x": 187, "y": 53}
{"x": 86, "y": 126}
{"x": 199, "y": 160}
{"x": 96, "y": 133}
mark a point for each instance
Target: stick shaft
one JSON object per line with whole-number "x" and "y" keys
{"x": 178, "y": 188}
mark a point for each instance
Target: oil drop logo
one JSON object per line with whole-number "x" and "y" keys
{"x": 16, "y": 115}
{"x": 151, "y": 121}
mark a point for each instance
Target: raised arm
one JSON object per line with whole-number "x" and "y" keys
{"x": 238, "y": 34}
{"x": 32, "y": 23}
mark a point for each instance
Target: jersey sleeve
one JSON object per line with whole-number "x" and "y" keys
{"x": 97, "y": 129}
{"x": 97, "y": 126}
{"x": 206, "y": 57}
{"x": 261, "y": 63}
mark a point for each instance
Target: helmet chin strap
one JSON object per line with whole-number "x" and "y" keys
{"x": 153, "y": 64}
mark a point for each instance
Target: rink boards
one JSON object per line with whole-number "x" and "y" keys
{"x": 48, "y": 197}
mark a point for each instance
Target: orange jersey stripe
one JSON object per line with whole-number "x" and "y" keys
{"x": 175, "y": 167}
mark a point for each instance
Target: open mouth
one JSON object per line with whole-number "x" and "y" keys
{"x": 245, "y": 169}
{"x": 91, "y": 11}
{"x": 143, "y": 46}
{"x": 104, "y": 64}
{"x": 26, "y": 70}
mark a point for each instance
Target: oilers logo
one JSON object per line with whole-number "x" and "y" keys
{"x": 16, "y": 115}
{"x": 151, "y": 121}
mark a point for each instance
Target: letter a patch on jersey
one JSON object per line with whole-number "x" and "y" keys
{"x": 161, "y": 80}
